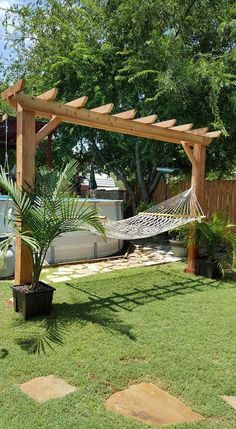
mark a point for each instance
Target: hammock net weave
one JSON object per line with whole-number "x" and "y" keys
{"x": 170, "y": 214}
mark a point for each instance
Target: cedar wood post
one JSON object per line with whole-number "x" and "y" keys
{"x": 25, "y": 175}
{"x": 198, "y": 184}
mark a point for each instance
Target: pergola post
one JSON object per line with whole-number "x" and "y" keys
{"x": 198, "y": 183}
{"x": 74, "y": 112}
{"x": 25, "y": 176}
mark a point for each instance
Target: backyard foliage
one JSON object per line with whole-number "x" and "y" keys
{"x": 175, "y": 58}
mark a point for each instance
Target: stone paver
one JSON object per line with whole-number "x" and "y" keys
{"x": 150, "y": 404}
{"x": 143, "y": 255}
{"x": 60, "y": 279}
{"x": 231, "y": 400}
{"x": 41, "y": 389}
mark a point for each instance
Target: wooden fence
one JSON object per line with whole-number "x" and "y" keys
{"x": 219, "y": 195}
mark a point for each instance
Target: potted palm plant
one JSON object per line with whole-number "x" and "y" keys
{"x": 217, "y": 243}
{"x": 40, "y": 214}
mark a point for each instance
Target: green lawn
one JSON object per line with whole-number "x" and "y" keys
{"x": 108, "y": 331}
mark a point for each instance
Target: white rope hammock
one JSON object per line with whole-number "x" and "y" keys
{"x": 170, "y": 214}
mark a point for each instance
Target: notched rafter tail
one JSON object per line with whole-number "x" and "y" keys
{"x": 128, "y": 114}
{"x": 184, "y": 127}
{"x": 146, "y": 119}
{"x": 106, "y": 108}
{"x": 79, "y": 103}
{"x": 213, "y": 134}
{"x": 165, "y": 124}
{"x": 49, "y": 95}
{"x": 13, "y": 89}
{"x": 198, "y": 131}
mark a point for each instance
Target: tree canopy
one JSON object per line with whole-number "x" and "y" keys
{"x": 174, "y": 58}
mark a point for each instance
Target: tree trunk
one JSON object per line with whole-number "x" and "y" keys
{"x": 121, "y": 177}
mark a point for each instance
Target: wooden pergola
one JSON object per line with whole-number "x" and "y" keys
{"x": 193, "y": 141}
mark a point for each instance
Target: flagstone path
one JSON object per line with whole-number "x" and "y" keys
{"x": 143, "y": 255}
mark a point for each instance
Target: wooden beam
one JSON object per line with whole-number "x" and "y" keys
{"x": 106, "y": 122}
{"x": 190, "y": 155}
{"x": 49, "y": 95}
{"x": 184, "y": 127}
{"x": 214, "y": 134}
{"x": 79, "y": 103}
{"x": 129, "y": 114}
{"x": 146, "y": 119}
{"x": 55, "y": 121}
{"x": 47, "y": 129}
{"x": 199, "y": 131}
{"x": 106, "y": 108}
{"x": 165, "y": 124}
{"x": 13, "y": 90}
{"x": 25, "y": 171}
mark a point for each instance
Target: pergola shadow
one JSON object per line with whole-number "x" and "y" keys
{"x": 103, "y": 310}
{"x": 174, "y": 284}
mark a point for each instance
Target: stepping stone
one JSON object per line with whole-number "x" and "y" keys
{"x": 231, "y": 400}
{"x": 150, "y": 404}
{"x": 94, "y": 268}
{"x": 41, "y": 389}
{"x": 60, "y": 279}
{"x": 77, "y": 276}
{"x": 150, "y": 263}
{"x": 9, "y": 303}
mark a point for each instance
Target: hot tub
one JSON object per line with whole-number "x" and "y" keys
{"x": 5, "y": 205}
{"x": 77, "y": 245}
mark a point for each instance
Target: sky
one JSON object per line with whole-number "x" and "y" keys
{"x": 5, "y": 4}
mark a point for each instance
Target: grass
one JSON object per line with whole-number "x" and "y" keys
{"x": 108, "y": 331}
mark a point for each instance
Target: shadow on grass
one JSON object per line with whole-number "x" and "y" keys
{"x": 171, "y": 284}
{"x": 3, "y": 353}
{"x": 102, "y": 311}
{"x": 54, "y": 329}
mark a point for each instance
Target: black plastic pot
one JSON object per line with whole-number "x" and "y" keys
{"x": 30, "y": 304}
{"x": 208, "y": 269}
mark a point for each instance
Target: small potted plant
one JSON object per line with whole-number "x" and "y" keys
{"x": 217, "y": 243}
{"x": 40, "y": 214}
{"x": 178, "y": 241}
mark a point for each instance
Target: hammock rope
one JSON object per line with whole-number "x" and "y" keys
{"x": 170, "y": 214}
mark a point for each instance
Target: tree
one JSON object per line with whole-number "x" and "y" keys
{"x": 175, "y": 58}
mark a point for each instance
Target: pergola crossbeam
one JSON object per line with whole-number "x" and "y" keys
{"x": 107, "y": 122}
